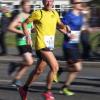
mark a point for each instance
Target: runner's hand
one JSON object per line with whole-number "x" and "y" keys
{"x": 29, "y": 40}
{"x": 72, "y": 36}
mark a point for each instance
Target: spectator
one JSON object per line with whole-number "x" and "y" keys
{"x": 84, "y": 38}
{"x": 24, "y": 49}
{"x": 4, "y": 21}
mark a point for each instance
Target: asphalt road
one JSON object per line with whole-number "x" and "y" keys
{"x": 86, "y": 86}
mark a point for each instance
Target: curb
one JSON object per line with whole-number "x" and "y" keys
{"x": 6, "y": 59}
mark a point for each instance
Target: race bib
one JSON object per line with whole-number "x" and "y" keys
{"x": 49, "y": 41}
{"x": 76, "y": 38}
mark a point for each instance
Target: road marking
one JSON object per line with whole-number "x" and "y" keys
{"x": 38, "y": 83}
{"x": 88, "y": 77}
{"x": 44, "y": 83}
{"x": 87, "y": 62}
{"x": 20, "y": 59}
{"x": 5, "y": 81}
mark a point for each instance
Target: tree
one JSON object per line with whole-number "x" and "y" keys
{"x": 97, "y": 2}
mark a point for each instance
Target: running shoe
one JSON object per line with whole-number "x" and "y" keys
{"x": 12, "y": 67}
{"x": 48, "y": 96}
{"x": 56, "y": 78}
{"x": 22, "y": 93}
{"x": 66, "y": 91}
{"x": 16, "y": 83}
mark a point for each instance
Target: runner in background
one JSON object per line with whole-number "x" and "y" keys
{"x": 24, "y": 48}
{"x": 74, "y": 19}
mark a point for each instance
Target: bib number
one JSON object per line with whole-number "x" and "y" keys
{"x": 77, "y": 37}
{"x": 49, "y": 41}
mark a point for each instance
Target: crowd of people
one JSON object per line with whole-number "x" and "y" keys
{"x": 43, "y": 23}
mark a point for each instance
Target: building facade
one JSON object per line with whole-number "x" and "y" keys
{"x": 59, "y": 5}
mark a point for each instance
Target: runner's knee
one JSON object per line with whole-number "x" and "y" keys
{"x": 78, "y": 68}
{"x": 30, "y": 62}
{"x": 55, "y": 68}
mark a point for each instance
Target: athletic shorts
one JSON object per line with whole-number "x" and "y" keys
{"x": 24, "y": 49}
{"x": 72, "y": 53}
{"x": 38, "y": 52}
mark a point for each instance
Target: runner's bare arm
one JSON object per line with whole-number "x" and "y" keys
{"x": 14, "y": 24}
{"x": 63, "y": 28}
{"x": 26, "y": 31}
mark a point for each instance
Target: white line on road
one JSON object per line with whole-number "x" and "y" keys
{"x": 38, "y": 83}
{"x": 94, "y": 62}
{"x": 43, "y": 83}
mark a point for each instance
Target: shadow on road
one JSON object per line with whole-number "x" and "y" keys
{"x": 90, "y": 83}
{"x": 37, "y": 88}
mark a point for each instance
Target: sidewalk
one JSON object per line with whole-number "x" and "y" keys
{"x": 13, "y": 55}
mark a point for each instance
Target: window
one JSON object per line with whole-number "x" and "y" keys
{"x": 57, "y": 6}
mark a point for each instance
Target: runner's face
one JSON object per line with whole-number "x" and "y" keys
{"x": 78, "y": 6}
{"x": 26, "y": 7}
{"x": 48, "y": 4}
{"x": 5, "y": 9}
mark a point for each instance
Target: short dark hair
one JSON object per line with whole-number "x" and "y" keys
{"x": 71, "y": 1}
{"x": 23, "y": 2}
{"x": 75, "y": 2}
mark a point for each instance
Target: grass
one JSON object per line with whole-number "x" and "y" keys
{"x": 58, "y": 39}
{"x": 11, "y": 41}
{"x": 94, "y": 40}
